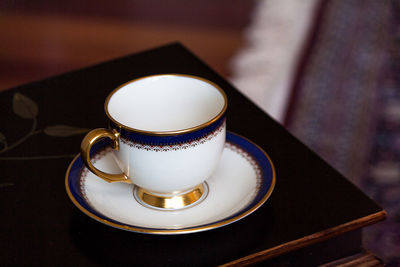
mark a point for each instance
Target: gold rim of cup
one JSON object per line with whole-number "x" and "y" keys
{"x": 166, "y": 133}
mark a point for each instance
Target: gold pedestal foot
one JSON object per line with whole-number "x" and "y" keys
{"x": 174, "y": 201}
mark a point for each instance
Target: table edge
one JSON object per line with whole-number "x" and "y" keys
{"x": 309, "y": 240}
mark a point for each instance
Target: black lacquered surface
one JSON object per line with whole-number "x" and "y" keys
{"x": 40, "y": 225}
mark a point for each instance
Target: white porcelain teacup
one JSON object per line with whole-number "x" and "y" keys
{"x": 168, "y": 134}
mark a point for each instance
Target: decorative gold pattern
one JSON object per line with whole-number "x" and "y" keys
{"x": 84, "y": 171}
{"x": 170, "y": 202}
{"x": 183, "y": 145}
{"x": 168, "y": 133}
{"x": 252, "y": 162}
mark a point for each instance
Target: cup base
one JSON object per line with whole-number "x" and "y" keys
{"x": 173, "y": 201}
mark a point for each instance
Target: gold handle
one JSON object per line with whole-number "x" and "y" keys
{"x": 90, "y": 139}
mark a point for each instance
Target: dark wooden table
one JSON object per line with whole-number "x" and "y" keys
{"x": 314, "y": 215}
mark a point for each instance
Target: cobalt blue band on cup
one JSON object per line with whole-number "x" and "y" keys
{"x": 168, "y": 133}
{"x": 172, "y": 141}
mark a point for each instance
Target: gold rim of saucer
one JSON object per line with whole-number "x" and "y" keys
{"x": 173, "y": 201}
{"x": 80, "y": 204}
{"x": 168, "y": 133}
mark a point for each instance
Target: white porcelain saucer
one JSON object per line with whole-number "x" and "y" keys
{"x": 243, "y": 181}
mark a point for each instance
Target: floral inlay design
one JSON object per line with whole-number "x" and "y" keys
{"x": 26, "y": 108}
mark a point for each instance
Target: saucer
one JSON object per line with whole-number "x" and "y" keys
{"x": 242, "y": 182}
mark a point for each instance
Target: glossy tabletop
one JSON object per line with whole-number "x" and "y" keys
{"x": 42, "y": 125}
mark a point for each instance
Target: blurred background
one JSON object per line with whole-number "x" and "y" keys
{"x": 43, "y": 38}
{"x": 328, "y": 70}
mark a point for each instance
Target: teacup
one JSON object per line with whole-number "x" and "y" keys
{"x": 168, "y": 133}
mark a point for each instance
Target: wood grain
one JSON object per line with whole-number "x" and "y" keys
{"x": 308, "y": 240}
{"x": 364, "y": 259}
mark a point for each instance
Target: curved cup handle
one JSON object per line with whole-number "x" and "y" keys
{"x": 90, "y": 139}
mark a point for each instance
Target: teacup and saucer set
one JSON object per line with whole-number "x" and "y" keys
{"x": 166, "y": 164}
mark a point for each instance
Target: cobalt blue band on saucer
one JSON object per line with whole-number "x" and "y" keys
{"x": 266, "y": 184}
{"x": 132, "y": 137}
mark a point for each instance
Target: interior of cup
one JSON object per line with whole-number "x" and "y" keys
{"x": 163, "y": 103}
